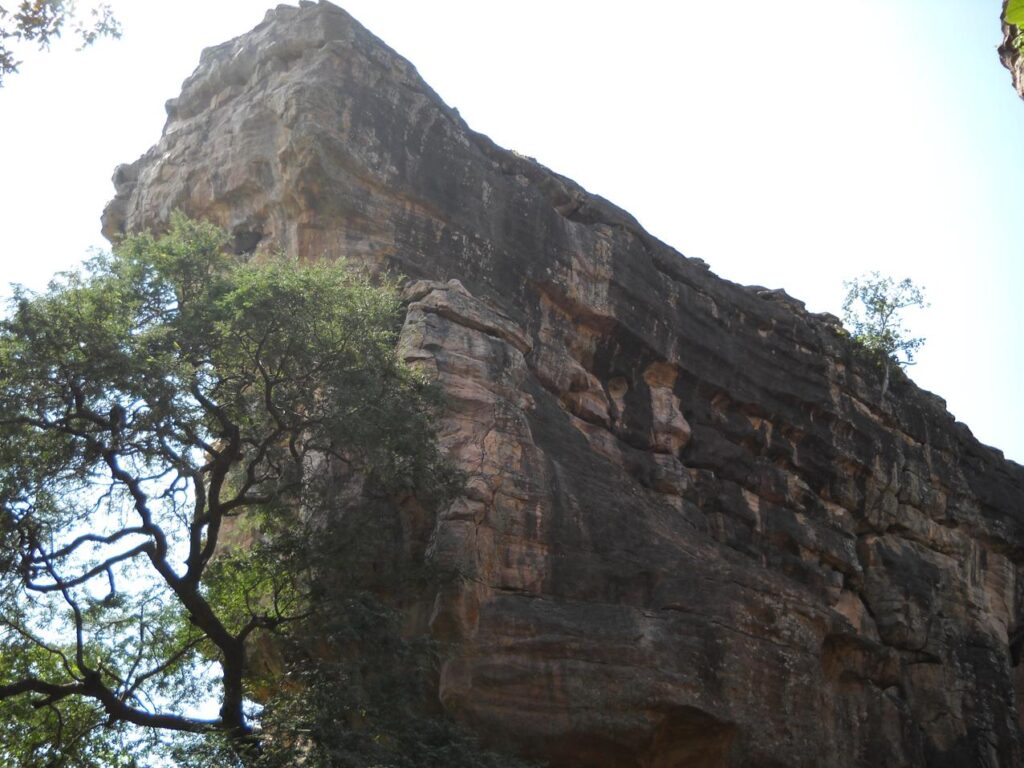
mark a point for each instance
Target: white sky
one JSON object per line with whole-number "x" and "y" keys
{"x": 789, "y": 144}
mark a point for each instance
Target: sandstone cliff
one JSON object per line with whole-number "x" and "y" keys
{"x": 692, "y": 535}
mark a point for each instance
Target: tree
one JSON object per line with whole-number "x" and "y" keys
{"x": 873, "y": 310}
{"x": 167, "y": 396}
{"x": 42, "y": 21}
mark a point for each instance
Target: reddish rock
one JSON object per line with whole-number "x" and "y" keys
{"x": 691, "y": 535}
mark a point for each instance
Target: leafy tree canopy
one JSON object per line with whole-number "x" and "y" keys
{"x": 146, "y": 403}
{"x": 872, "y": 310}
{"x": 39, "y": 22}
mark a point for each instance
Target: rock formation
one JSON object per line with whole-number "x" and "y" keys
{"x": 691, "y": 534}
{"x": 1010, "y": 54}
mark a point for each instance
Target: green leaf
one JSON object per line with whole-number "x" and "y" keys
{"x": 1014, "y": 13}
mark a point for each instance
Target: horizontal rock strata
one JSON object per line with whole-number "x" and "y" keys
{"x": 692, "y": 533}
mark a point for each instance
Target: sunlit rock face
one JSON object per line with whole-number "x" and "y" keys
{"x": 691, "y": 534}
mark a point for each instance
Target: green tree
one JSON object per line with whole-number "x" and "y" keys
{"x": 166, "y": 400}
{"x": 39, "y": 22}
{"x": 872, "y": 310}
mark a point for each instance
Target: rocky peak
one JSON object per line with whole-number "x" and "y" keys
{"x": 692, "y": 533}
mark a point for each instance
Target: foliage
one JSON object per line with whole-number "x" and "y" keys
{"x": 873, "y": 310}
{"x": 1014, "y": 13}
{"x": 42, "y": 21}
{"x": 71, "y": 733}
{"x": 145, "y": 404}
{"x": 368, "y": 704}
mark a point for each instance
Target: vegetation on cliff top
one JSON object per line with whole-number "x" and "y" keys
{"x": 873, "y": 311}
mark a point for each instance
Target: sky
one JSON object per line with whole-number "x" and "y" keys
{"x": 791, "y": 144}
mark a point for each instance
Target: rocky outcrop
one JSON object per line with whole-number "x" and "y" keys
{"x": 1010, "y": 53}
{"x": 692, "y": 533}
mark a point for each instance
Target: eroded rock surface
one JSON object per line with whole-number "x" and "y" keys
{"x": 1010, "y": 53}
{"x": 692, "y": 535}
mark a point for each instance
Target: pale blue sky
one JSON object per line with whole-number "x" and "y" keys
{"x": 790, "y": 144}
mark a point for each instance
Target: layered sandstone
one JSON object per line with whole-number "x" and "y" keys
{"x": 693, "y": 534}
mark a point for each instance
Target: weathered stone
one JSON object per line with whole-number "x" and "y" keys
{"x": 1010, "y": 54}
{"x": 691, "y": 534}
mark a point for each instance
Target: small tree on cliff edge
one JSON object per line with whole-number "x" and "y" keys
{"x": 144, "y": 403}
{"x": 873, "y": 310}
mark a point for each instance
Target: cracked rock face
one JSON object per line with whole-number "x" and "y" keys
{"x": 691, "y": 534}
